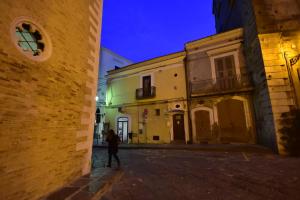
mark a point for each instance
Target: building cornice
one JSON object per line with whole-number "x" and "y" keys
{"x": 148, "y": 62}
{"x": 229, "y": 35}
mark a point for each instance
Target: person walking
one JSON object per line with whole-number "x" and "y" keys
{"x": 113, "y": 142}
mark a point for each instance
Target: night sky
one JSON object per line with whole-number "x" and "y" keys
{"x": 143, "y": 29}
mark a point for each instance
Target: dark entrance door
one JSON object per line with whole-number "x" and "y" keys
{"x": 178, "y": 127}
{"x": 147, "y": 86}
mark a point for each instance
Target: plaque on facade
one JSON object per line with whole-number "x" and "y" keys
{"x": 294, "y": 60}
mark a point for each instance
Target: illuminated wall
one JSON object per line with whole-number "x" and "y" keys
{"x": 108, "y": 61}
{"x": 47, "y": 95}
{"x": 211, "y": 84}
{"x": 168, "y": 77}
{"x": 271, "y": 41}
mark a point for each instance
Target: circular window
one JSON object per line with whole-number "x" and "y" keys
{"x": 177, "y": 106}
{"x": 30, "y": 39}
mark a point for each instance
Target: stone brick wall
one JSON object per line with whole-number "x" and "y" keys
{"x": 278, "y": 25}
{"x": 276, "y": 55}
{"x": 47, "y": 108}
{"x": 271, "y": 39}
{"x": 276, "y": 15}
{"x": 254, "y": 61}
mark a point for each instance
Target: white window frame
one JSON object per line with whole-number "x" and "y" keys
{"x": 125, "y": 116}
{"x": 235, "y": 55}
{"x": 152, "y": 79}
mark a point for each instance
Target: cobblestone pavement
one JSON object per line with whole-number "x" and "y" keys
{"x": 182, "y": 174}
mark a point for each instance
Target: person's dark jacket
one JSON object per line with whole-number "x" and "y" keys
{"x": 113, "y": 142}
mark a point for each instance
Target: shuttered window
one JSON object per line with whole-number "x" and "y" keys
{"x": 225, "y": 66}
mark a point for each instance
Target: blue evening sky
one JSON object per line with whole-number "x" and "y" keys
{"x": 143, "y": 29}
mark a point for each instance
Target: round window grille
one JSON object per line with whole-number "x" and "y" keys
{"x": 31, "y": 39}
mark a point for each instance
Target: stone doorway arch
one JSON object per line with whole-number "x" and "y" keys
{"x": 202, "y": 122}
{"x": 233, "y": 120}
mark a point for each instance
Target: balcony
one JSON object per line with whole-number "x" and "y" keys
{"x": 141, "y": 93}
{"x": 221, "y": 85}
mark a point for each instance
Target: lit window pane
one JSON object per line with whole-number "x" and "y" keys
{"x": 19, "y": 35}
{"x": 33, "y": 46}
{"x": 28, "y": 37}
{"x": 24, "y": 46}
{"x": 123, "y": 119}
{"x": 27, "y": 40}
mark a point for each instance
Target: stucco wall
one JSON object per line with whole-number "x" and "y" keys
{"x": 211, "y": 104}
{"x": 122, "y": 86}
{"x": 168, "y": 76}
{"x": 108, "y": 61}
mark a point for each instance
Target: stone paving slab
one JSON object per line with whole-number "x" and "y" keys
{"x": 94, "y": 185}
{"x": 88, "y": 187}
{"x": 194, "y": 175}
{"x": 196, "y": 147}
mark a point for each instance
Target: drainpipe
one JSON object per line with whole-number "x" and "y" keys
{"x": 188, "y": 97}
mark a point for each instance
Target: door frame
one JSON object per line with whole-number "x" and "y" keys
{"x": 246, "y": 104}
{"x": 234, "y": 53}
{"x": 123, "y": 122}
{"x": 183, "y": 122}
{"x": 212, "y": 116}
{"x": 129, "y": 122}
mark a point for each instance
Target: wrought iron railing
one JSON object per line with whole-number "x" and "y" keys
{"x": 141, "y": 93}
{"x": 220, "y": 84}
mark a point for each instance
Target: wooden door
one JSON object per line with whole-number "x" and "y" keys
{"x": 232, "y": 121}
{"x": 203, "y": 125}
{"x": 178, "y": 127}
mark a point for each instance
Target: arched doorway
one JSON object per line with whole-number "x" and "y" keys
{"x": 203, "y": 127}
{"x": 202, "y": 124}
{"x": 232, "y": 121}
{"x": 122, "y": 129}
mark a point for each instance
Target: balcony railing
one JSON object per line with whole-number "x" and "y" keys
{"x": 232, "y": 83}
{"x": 141, "y": 93}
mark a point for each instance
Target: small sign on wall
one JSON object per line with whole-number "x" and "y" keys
{"x": 294, "y": 60}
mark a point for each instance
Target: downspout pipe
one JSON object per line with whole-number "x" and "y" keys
{"x": 188, "y": 92}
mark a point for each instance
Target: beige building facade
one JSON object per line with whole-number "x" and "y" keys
{"x": 48, "y": 78}
{"x": 146, "y": 102}
{"x": 272, "y": 50}
{"x": 219, "y": 90}
{"x": 205, "y": 91}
